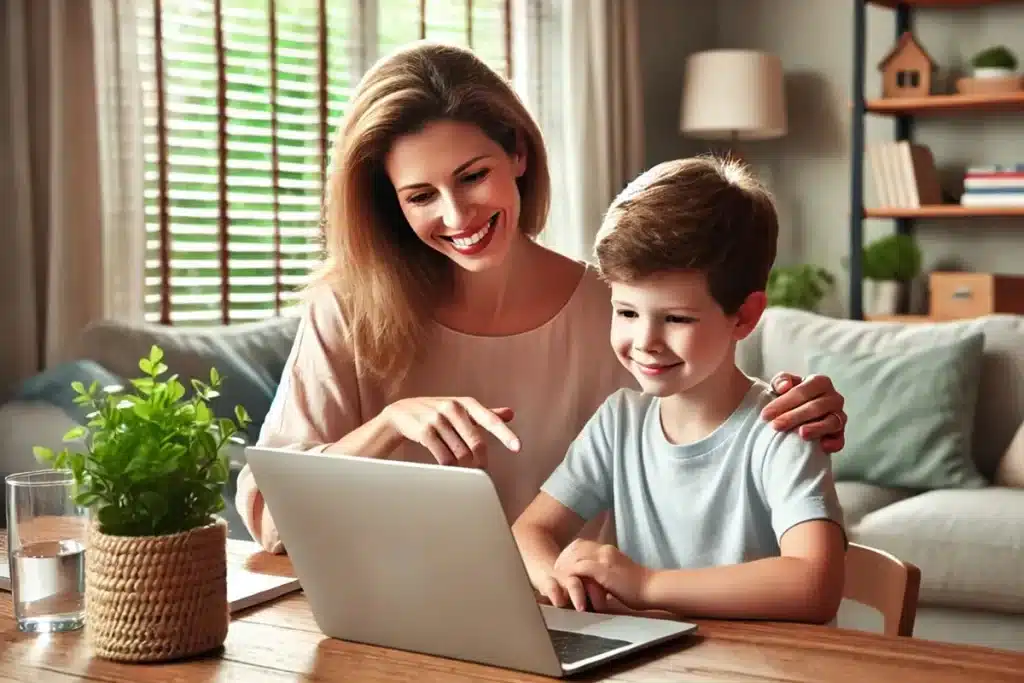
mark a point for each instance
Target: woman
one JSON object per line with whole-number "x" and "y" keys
{"x": 439, "y": 329}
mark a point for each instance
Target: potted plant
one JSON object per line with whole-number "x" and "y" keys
{"x": 994, "y": 62}
{"x": 890, "y": 263}
{"x": 801, "y": 286}
{"x": 150, "y": 471}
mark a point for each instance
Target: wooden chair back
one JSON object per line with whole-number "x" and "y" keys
{"x": 884, "y": 582}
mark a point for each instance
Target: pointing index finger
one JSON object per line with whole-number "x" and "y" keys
{"x": 494, "y": 424}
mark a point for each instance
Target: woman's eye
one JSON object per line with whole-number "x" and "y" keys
{"x": 476, "y": 175}
{"x": 419, "y": 198}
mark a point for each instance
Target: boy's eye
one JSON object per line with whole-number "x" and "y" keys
{"x": 680, "y": 319}
{"x": 625, "y": 313}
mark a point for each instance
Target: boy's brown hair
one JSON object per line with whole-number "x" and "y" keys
{"x": 703, "y": 213}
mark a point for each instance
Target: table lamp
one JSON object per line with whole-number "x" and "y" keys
{"x": 733, "y": 95}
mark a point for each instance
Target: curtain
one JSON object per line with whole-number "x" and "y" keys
{"x": 70, "y": 191}
{"x": 602, "y": 126}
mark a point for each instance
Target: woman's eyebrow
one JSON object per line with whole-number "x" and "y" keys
{"x": 462, "y": 167}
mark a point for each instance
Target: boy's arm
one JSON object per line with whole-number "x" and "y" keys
{"x": 578, "y": 489}
{"x": 541, "y": 532}
{"x": 804, "y": 583}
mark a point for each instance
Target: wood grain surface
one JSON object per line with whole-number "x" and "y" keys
{"x": 279, "y": 641}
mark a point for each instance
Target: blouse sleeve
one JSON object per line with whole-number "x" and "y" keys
{"x": 316, "y": 403}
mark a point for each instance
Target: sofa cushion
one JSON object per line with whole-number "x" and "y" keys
{"x": 250, "y": 357}
{"x": 787, "y": 334}
{"x": 968, "y": 543}
{"x": 53, "y": 386}
{"x": 858, "y": 499}
{"x": 910, "y": 414}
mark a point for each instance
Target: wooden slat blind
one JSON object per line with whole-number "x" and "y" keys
{"x": 242, "y": 97}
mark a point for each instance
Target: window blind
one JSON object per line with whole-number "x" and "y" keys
{"x": 241, "y": 98}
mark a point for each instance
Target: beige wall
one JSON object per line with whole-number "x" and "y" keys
{"x": 809, "y": 170}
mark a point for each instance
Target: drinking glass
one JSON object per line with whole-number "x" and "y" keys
{"x": 46, "y": 538}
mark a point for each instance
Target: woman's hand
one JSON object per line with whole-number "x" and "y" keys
{"x": 812, "y": 405}
{"x": 452, "y": 428}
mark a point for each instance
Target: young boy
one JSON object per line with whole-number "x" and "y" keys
{"x": 716, "y": 513}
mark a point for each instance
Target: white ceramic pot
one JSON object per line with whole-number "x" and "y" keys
{"x": 994, "y": 72}
{"x": 881, "y": 297}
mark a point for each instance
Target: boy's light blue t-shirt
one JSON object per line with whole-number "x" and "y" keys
{"x": 725, "y": 499}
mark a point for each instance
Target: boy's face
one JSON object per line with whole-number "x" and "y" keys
{"x": 670, "y": 333}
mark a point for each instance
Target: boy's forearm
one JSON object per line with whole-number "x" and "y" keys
{"x": 538, "y": 548}
{"x": 777, "y": 588}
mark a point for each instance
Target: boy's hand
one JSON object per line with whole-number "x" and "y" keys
{"x": 613, "y": 571}
{"x": 594, "y": 594}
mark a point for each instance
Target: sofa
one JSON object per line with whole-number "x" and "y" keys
{"x": 960, "y": 518}
{"x": 961, "y": 521}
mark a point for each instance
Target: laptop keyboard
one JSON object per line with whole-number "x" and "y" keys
{"x": 573, "y": 647}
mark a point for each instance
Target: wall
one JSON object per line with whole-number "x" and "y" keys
{"x": 670, "y": 30}
{"x": 809, "y": 169}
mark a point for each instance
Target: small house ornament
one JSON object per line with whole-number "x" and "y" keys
{"x": 907, "y": 69}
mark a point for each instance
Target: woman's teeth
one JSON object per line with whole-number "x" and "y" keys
{"x": 466, "y": 242}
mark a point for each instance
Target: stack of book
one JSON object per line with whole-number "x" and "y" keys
{"x": 994, "y": 186}
{"x": 904, "y": 174}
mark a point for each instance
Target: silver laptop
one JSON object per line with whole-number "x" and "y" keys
{"x": 421, "y": 558}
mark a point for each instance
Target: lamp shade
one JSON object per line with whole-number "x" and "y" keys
{"x": 733, "y": 94}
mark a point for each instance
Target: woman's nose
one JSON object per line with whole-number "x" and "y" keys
{"x": 456, "y": 217}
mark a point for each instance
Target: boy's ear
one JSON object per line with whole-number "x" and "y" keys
{"x": 749, "y": 313}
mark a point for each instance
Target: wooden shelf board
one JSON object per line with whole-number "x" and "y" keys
{"x": 945, "y": 211}
{"x": 947, "y": 4}
{"x": 948, "y": 104}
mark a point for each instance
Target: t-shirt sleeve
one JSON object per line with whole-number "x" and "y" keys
{"x": 583, "y": 480}
{"x": 316, "y": 403}
{"x": 798, "y": 484}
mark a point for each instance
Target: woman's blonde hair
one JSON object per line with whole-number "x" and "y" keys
{"x": 387, "y": 281}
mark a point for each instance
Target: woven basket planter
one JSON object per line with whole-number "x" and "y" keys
{"x": 157, "y": 598}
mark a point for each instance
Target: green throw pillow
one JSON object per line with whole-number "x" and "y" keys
{"x": 911, "y": 414}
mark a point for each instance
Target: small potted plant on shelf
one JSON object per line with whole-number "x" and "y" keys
{"x": 994, "y": 62}
{"x": 151, "y": 471}
{"x": 802, "y": 286}
{"x": 890, "y": 263}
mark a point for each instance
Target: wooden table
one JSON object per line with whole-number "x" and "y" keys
{"x": 279, "y": 641}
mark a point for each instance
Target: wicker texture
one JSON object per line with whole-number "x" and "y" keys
{"x": 156, "y": 598}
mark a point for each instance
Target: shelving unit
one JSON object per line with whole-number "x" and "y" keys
{"x": 903, "y": 111}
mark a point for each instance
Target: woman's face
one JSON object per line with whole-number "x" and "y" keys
{"x": 457, "y": 188}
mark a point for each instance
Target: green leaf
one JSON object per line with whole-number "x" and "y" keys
{"x": 146, "y": 366}
{"x": 156, "y": 354}
{"x": 202, "y": 412}
{"x": 79, "y": 388}
{"x": 214, "y": 377}
{"x": 242, "y": 416}
{"x": 44, "y": 454}
{"x": 75, "y": 433}
{"x": 87, "y": 499}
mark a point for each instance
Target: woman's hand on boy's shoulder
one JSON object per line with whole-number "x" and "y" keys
{"x": 811, "y": 405}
